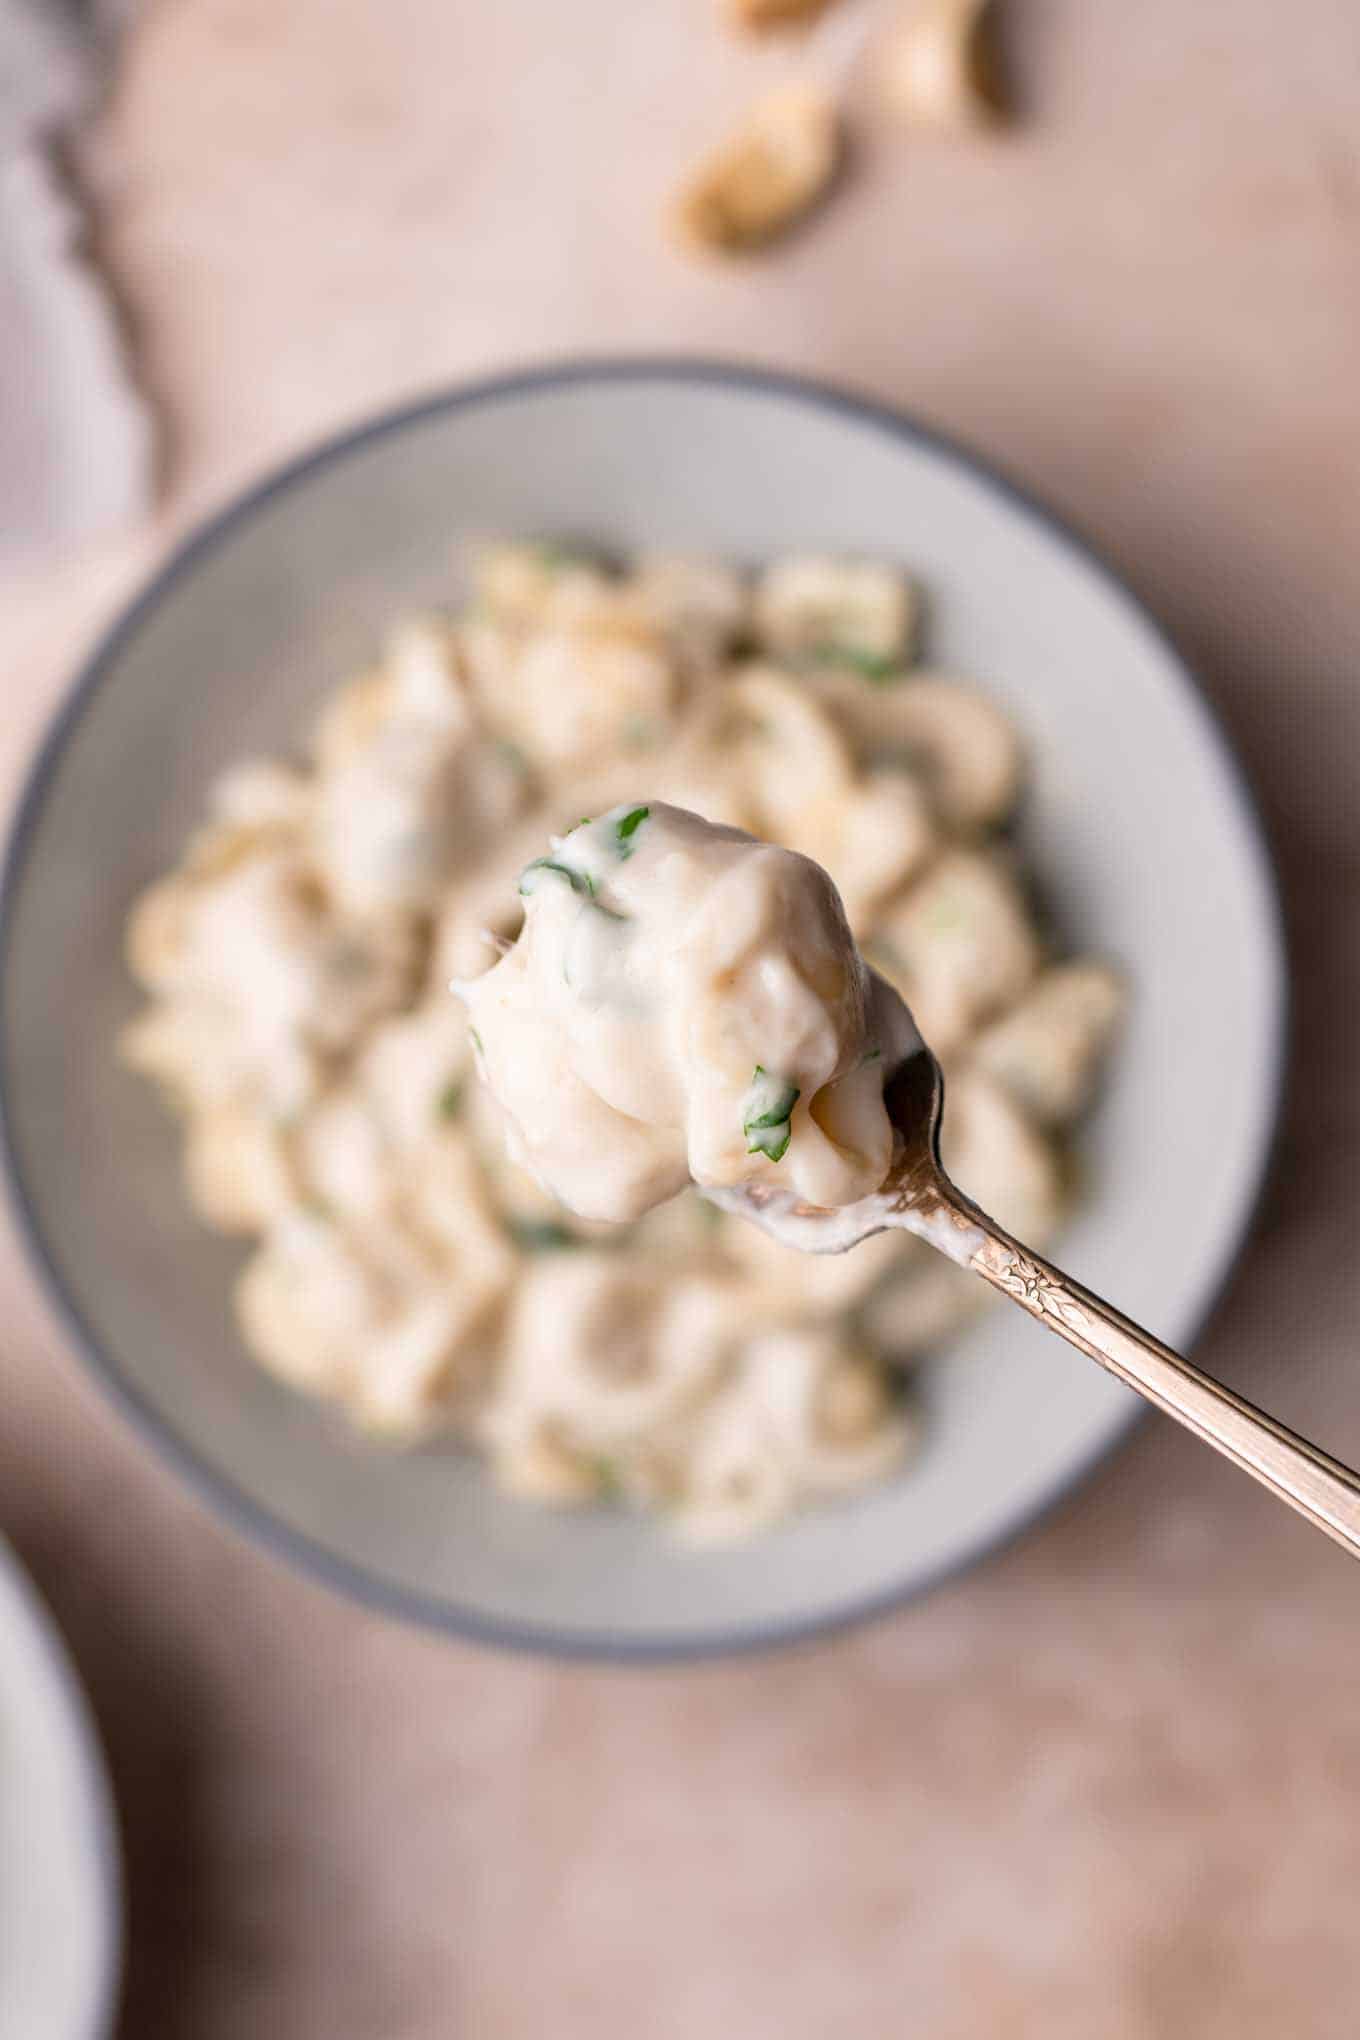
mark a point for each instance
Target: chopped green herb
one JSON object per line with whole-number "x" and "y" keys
{"x": 607, "y": 1479}
{"x": 871, "y": 1055}
{"x": 875, "y": 666}
{"x": 770, "y": 1140}
{"x": 558, "y": 557}
{"x": 450, "y": 1101}
{"x": 767, "y": 1114}
{"x": 541, "y": 1235}
{"x": 625, "y": 830}
{"x": 531, "y": 878}
{"x": 770, "y": 1099}
{"x": 475, "y": 1038}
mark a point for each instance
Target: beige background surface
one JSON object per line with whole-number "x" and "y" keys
{"x": 1108, "y": 1787}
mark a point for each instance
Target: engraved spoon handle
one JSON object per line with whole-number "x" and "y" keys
{"x": 1318, "y": 1486}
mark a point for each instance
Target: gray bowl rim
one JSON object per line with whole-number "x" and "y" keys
{"x": 215, "y": 1489}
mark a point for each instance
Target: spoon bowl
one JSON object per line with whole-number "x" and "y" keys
{"x": 913, "y": 1193}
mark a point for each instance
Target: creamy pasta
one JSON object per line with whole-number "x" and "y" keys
{"x": 685, "y": 1003}
{"x": 298, "y": 965}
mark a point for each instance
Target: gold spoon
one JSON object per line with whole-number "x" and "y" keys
{"x": 920, "y": 1198}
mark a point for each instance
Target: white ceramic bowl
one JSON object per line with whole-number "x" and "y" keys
{"x": 1137, "y": 824}
{"x": 60, "y": 1902}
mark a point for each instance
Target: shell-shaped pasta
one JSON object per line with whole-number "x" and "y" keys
{"x": 789, "y": 1286}
{"x": 394, "y": 822}
{"x": 858, "y": 612}
{"x": 780, "y": 746}
{"x": 442, "y": 1191}
{"x": 244, "y": 988}
{"x": 416, "y": 1071}
{"x": 959, "y": 946}
{"x": 962, "y": 746}
{"x": 542, "y": 1467}
{"x": 697, "y": 776}
{"x": 951, "y": 738}
{"x": 686, "y": 1233}
{"x": 425, "y": 678}
{"x": 807, "y": 1413}
{"x": 525, "y": 587}
{"x": 701, "y": 605}
{"x": 304, "y": 1302}
{"x": 1000, "y": 1159}
{"x": 157, "y": 933}
{"x": 1046, "y": 1051}
{"x": 599, "y": 1350}
{"x": 403, "y": 780}
{"x": 223, "y": 846}
{"x": 924, "y": 1306}
{"x": 772, "y": 171}
{"x": 363, "y": 972}
{"x": 342, "y": 1157}
{"x": 736, "y": 1479}
{"x": 257, "y": 808}
{"x": 445, "y": 1268}
{"x": 510, "y": 583}
{"x": 365, "y": 1316}
{"x": 578, "y": 693}
{"x": 798, "y": 1378}
{"x": 195, "y": 1051}
{"x": 408, "y": 1374}
{"x": 853, "y": 1402}
{"x": 236, "y": 1169}
{"x": 488, "y": 648}
{"x": 872, "y": 840}
{"x": 350, "y": 720}
{"x": 253, "y": 941}
{"x": 412, "y": 1190}
{"x": 261, "y": 794}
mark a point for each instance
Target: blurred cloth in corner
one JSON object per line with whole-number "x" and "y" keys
{"x": 75, "y": 436}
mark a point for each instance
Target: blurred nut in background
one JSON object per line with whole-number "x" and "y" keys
{"x": 767, "y": 175}
{"x": 940, "y": 65}
{"x": 759, "y": 15}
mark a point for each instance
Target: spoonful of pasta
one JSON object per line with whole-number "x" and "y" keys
{"x": 687, "y": 1004}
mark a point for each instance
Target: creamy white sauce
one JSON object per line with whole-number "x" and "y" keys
{"x": 687, "y": 1003}
{"x": 813, "y": 1229}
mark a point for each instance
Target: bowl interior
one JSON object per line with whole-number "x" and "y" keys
{"x": 1136, "y": 825}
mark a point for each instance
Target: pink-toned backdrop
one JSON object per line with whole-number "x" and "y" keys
{"x": 1108, "y": 1787}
